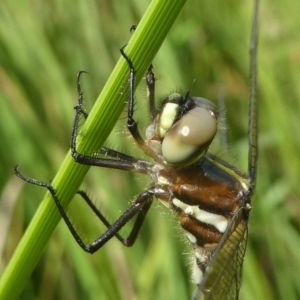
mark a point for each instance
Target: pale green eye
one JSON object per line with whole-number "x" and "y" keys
{"x": 188, "y": 139}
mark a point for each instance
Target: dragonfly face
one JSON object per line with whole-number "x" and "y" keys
{"x": 210, "y": 197}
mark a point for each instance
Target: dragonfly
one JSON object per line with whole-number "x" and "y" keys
{"x": 211, "y": 197}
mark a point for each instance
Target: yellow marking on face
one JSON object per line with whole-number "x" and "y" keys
{"x": 167, "y": 118}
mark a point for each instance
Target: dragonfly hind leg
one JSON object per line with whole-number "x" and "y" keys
{"x": 138, "y": 209}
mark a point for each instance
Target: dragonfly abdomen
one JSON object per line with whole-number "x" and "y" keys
{"x": 205, "y": 214}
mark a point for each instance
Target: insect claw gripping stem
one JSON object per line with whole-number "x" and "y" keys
{"x": 131, "y": 123}
{"x": 132, "y": 28}
{"x": 80, "y": 94}
{"x": 79, "y": 111}
{"x": 32, "y": 180}
{"x": 150, "y": 81}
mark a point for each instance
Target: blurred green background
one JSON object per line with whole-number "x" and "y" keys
{"x": 44, "y": 44}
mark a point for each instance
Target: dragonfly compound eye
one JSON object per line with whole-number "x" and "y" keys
{"x": 188, "y": 139}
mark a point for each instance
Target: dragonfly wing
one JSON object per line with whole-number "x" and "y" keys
{"x": 222, "y": 279}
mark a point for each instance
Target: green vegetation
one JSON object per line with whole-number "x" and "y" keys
{"x": 42, "y": 47}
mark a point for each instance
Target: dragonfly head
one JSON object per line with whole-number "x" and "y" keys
{"x": 185, "y": 127}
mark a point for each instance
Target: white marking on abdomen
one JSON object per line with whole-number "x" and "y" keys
{"x": 217, "y": 221}
{"x": 203, "y": 256}
{"x": 191, "y": 237}
{"x": 196, "y": 273}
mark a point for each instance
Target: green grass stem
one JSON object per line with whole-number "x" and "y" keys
{"x": 141, "y": 49}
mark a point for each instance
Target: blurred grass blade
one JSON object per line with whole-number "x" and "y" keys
{"x": 142, "y": 48}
